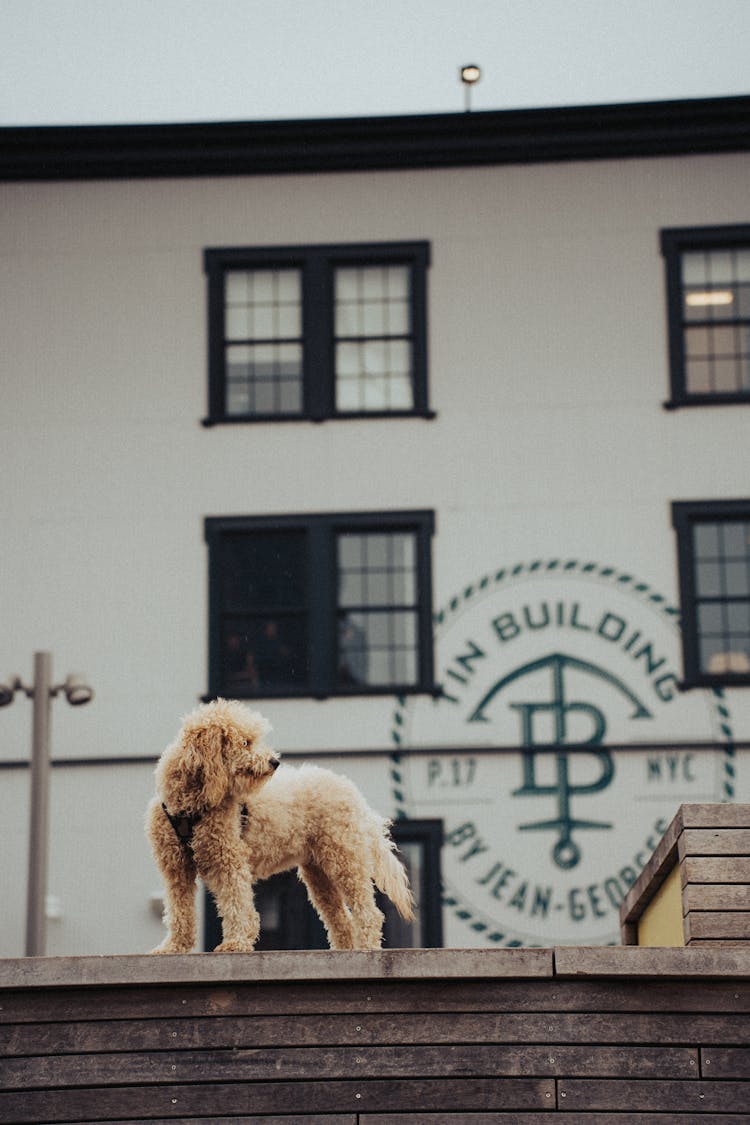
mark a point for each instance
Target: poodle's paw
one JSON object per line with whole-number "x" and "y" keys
{"x": 169, "y": 946}
{"x": 235, "y": 947}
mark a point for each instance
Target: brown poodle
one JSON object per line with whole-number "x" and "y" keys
{"x": 224, "y": 813}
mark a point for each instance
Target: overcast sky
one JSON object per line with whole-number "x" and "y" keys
{"x": 115, "y": 61}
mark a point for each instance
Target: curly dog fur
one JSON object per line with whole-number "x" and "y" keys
{"x": 249, "y": 820}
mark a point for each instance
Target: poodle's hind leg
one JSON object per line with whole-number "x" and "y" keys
{"x": 328, "y": 901}
{"x": 367, "y": 920}
{"x": 178, "y": 871}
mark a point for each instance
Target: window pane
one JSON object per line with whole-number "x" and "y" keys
{"x": 373, "y": 363}
{"x": 256, "y": 374}
{"x": 263, "y": 653}
{"x": 710, "y": 618}
{"x": 698, "y": 377}
{"x": 694, "y": 267}
{"x": 377, "y": 616}
{"x": 736, "y": 576}
{"x": 706, "y": 539}
{"x": 262, "y": 570}
{"x": 735, "y": 543}
{"x": 721, "y": 266}
{"x": 716, "y": 320}
{"x": 262, "y": 304}
{"x": 738, "y": 618}
{"x": 709, "y": 580}
{"x": 722, "y": 568}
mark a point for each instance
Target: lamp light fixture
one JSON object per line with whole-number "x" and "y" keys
{"x": 470, "y": 75}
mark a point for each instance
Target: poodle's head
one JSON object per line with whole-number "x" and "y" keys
{"x": 220, "y": 752}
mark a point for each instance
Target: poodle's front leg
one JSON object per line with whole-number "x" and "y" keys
{"x": 178, "y": 871}
{"x": 240, "y": 922}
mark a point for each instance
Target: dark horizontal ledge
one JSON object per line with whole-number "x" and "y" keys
{"x": 705, "y": 125}
{"x": 212, "y": 421}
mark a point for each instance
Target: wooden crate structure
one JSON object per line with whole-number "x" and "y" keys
{"x": 695, "y": 889}
{"x": 401, "y": 1037}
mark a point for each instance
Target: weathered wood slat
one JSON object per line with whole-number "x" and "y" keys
{"x": 715, "y": 896}
{"x": 297, "y": 1064}
{"x": 634, "y": 961}
{"x": 270, "y": 1119}
{"x": 714, "y": 841}
{"x": 717, "y": 924}
{"x": 707, "y": 869}
{"x": 715, "y": 815}
{"x": 583, "y": 993}
{"x": 276, "y": 967}
{"x": 329, "y": 1030}
{"x": 615, "y": 1094}
{"x": 276, "y": 1097}
{"x": 536, "y": 1119}
{"x": 727, "y": 1062}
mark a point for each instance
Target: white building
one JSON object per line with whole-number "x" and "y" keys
{"x": 303, "y": 384}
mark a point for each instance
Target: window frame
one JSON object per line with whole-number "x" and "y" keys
{"x": 685, "y": 515}
{"x": 321, "y": 606}
{"x": 675, "y": 241}
{"x": 317, "y": 265}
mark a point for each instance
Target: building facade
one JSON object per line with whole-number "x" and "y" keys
{"x": 426, "y": 436}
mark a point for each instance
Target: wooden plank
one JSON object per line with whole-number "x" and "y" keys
{"x": 715, "y": 816}
{"x": 296, "y": 1064}
{"x": 270, "y": 1119}
{"x": 613, "y": 992}
{"x": 726, "y": 1062}
{"x": 277, "y": 966}
{"x": 634, "y": 961}
{"x": 615, "y": 1094}
{"x": 720, "y": 942}
{"x": 717, "y": 924}
{"x": 241, "y": 999}
{"x": 702, "y": 869}
{"x": 234, "y": 1099}
{"x": 81, "y": 1037}
{"x": 715, "y": 896}
{"x": 533, "y": 1119}
{"x": 714, "y": 841}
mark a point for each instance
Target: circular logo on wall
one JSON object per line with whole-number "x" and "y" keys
{"x": 558, "y": 752}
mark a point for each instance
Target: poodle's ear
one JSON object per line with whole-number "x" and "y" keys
{"x": 205, "y": 765}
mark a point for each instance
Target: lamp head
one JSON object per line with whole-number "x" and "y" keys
{"x": 77, "y": 691}
{"x": 470, "y": 74}
{"x": 8, "y": 689}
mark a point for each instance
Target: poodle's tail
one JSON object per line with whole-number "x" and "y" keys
{"x": 391, "y": 878}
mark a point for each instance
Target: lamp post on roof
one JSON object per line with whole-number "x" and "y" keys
{"x": 470, "y": 75}
{"x": 41, "y": 692}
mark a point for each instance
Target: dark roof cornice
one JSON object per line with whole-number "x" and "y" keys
{"x": 706, "y": 125}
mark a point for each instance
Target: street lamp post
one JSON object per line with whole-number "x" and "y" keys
{"x": 41, "y": 692}
{"x": 469, "y": 74}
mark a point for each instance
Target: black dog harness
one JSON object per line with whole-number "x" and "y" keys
{"x": 184, "y": 823}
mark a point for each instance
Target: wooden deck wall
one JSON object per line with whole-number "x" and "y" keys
{"x": 425, "y": 1037}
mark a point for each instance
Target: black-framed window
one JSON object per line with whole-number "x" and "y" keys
{"x": 319, "y": 605}
{"x": 708, "y": 308}
{"x": 713, "y": 544}
{"x": 316, "y": 332}
{"x": 288, "y": 921}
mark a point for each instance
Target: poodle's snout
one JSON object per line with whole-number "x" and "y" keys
{"x": 274, "y": 763}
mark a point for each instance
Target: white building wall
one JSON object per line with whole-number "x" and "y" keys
{"x": 547, "y": 370}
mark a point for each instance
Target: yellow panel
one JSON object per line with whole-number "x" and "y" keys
{"x": 661, "y": 921}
